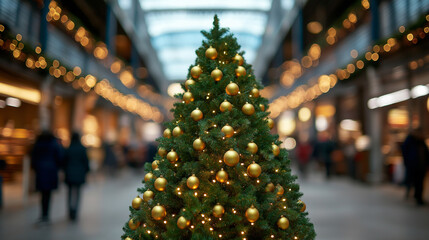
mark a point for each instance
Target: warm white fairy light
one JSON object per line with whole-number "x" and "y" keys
{"x": 202, "y": 215}
{"x": 257, "y": 181}
{"x": 144, "y": 225}
{"x": 284, "y": 207}
{"x": 148, "y": 231}
{"x": 180, "y": 193}
{"x": 242, "y": 164}
{"x": 210, "y": 219}
{"x": 220, "y": 235}
{"x": 215, "y": 125}
{"x": 196, "y": 194}
{"x": 203, "y": 222}
{"x": 192, "y": 226}
{"x": 277, "y": 170}
{"x": 211, "y": 229}
{"x": 176, "y": 165}
{"x": 220, "y": 160}
{"x": 252, "y": 224}
{"x": 227, "y": 182}
{"x": 213, "y": 181}
{"x": 242, "y": 232}
{"x": 220, "y": 219}
{"x": 205, "y": 194}
{"x": 213, "y": 111}
{"x": 165, "y": 222}
{"x": 284, "y": 199}
{"x": 245, "y": 174}
{"x": 178, "y": 189}
{"x": 272, "y": 236}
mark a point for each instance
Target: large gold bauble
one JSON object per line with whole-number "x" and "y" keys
{"x": 225, "y": 106}
{"x": 198, "y": 144}
{"x": 172, "y": 156}
{"x": 222, "y": 176}
{"x": 193, "y": 182}
{"x": 228, "y": 131}
{"x": 162, "y": 152}
{"x": 248, "y": 109}
{"x": 148, "y": 177}
{"x": 252, "y": 214}
{"x": 303, "y": 205}
{"x": 160, "y": 184}
{"x": 196, "y": 71}
{"x": 280, "y": 190}
{"x": 231, "y": 158}
{"x": 155, "y": 164}
{"x": 270, "y": 187}
{"x": 240, "y": 71}
{"x": 158, "y": 212}
{"x": 182, "y": 223}
{"x": 218, "y": 210}
{"x": 217, "y": 74}
{"x": 197, "y": 115}
{"x": 177, "y": 131}
{"x": 128, "y": 238}
{"x": 133, "y": 224}
{"x": 254, "y": 170}
{"x": 167, "y": 133}
{"x": 252, "y": 147}
{"x": 239, "y": 59}
{"x": 188, "y": 97}
{"x": 188, "y": 83}
{"x": 283, "y": 223}
{"x": 211, "y": 53}
{"x": 262, "y": 107}
{"x": 137, "y": 201}
{"x": 270, "y": 123}
{"x": 276, "y": 149}
{"x": 148, "y": 195}
{"x": 254, "y": 92}
{"x": 232, "y": 89}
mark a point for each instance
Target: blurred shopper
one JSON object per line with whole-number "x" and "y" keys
{"x": 303, "y": 152}
{"x": 323, "y": 151}
{"x": 416, "y": 161}
{"x": 46, "y": 161}
{"x": 349, "y": 151}
{"x": 76, "y": 166}
{"x": 110, "y": 160}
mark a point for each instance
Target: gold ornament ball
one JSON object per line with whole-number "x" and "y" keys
{"x": 303, "y": 205}
{"x": 280, "y": 190}
{"x": 270, "y": 187}
{"x": 128, "y": 238}
{"x": 198, "y": 144}
{"x": 137, "y": 201}
{"x": 222, "y": 176}
{"x": 232, "y": 89}
{"x": 262, "y": 107}
{"x": 283, "y": 223}
{"x": 217, "y": 74}
{"x": 188, "y": 83}
{"x": 133, "y": 224}
{"x": 225, "y": 106}
{"x": 155, "y": 164}
{"x": 211, "y": 53}
{"x": 276, "y": 150}
{"x": 270, "y": 123}
{"x": 197, "y": 115}
{"x": 182, "y": 223}
{"x": 158, "y": 212}
{"x": 240, "y": 71}
{"x": 248, "y": 109}
{"x": 172, "y": 156}
{"x": 160, "y": 184}
{"x": 196, "y": 71}
{"x": 218, "y": 210}
{"x": 239, "y": 59}
{"x": 148, "y": 195}
{"x": 167, "y": 133}
{"x": 148, "y": 177}
{"x": 252, "y": 147}
{"x": 188, "y": 97}
{"x": 254, "y": 92}
{"x": 177, "y": 131}
{"x": 162, "y": 152}
{"x": 254, "y": 170}
{"x": 252, "y": 214}
{"x": 193, "y": 182}
{"x": 228, "y": 131}
{"x": 231, "y": 158}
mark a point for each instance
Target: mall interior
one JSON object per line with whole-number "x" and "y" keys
{"x": 351, "y": 74}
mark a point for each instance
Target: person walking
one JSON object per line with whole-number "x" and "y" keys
{"x": 46, "y": 161}
{"x": 76, "y": 166}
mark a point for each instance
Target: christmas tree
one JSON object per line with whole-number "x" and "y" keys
{"x": 219, "y": 173}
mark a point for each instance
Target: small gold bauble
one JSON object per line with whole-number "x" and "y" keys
{"x": 188, "y": 97}
{"x": 240, "y": 71}
{"x": 198, "y": 144}
{"x": 270, "y": 187}
{"x": 128, "y": 238}
{"x": 239, "y": 59}
{"x": 254, "y": 92}
{"x": 252, "y": 214}
{"x": 276, "y": 149}
{"x": 158, "y": 212}
{"x": 148, "y": 177}
{"x": 225, "y": 106}
{"x": 167, "y": 133}
{"x": 232, "y": 89}
{"x": 248, "y": 109}
{"x": 211, "y": 53}
{"x": 270, "y": 123}
{"x": 303, "y": 205}
{"x": 218, "y": 210}
{"x": 133, "y": 224}
{"x": 160, "y": 184}
{"x": 193, "y": 182}
{"x": 197, "y": 115}
{"x": 162, "y": 152}
{"x": 262, "y": 107}
{"x": 188, "y": 83}
{"x": 155, "y": 164}
{"x": 137, "y": 201}
{"x": 182, "y": 223}
{"x": 172, "y": 156}
{"x": 280, "y": 190}
{"x": 217, "y": 74}
{"x": 231, "y": 158}
{"x": 177, "y": 131}
{"x": 252, "y": 147}
{"x": 196, "y": 71}
{"x": 148, "y": 195}
{"x": 254, "y": 170}
{"x": 222, "y": 176}
{"x": 283, "y": 223}
{"x": 228, "y": 131}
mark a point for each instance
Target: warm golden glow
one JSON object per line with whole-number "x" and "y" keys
{"x": 304, "y": 114}
{"x": 314, "y": 27}
{"x": 127, "y": 78}
{"x": 26, "y": 94}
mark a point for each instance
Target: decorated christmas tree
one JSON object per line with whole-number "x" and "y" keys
{"x": 219, "y": 173}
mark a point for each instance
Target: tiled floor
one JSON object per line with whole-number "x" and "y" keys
{"x": 340, "y": 210}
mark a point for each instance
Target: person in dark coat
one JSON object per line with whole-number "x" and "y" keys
{"x": 46, "y": 161}
{"x": 76, "y": 166}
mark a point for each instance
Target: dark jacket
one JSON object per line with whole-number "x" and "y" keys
{"x": 76, "y": 163}
{"x": 416, "y": 155}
